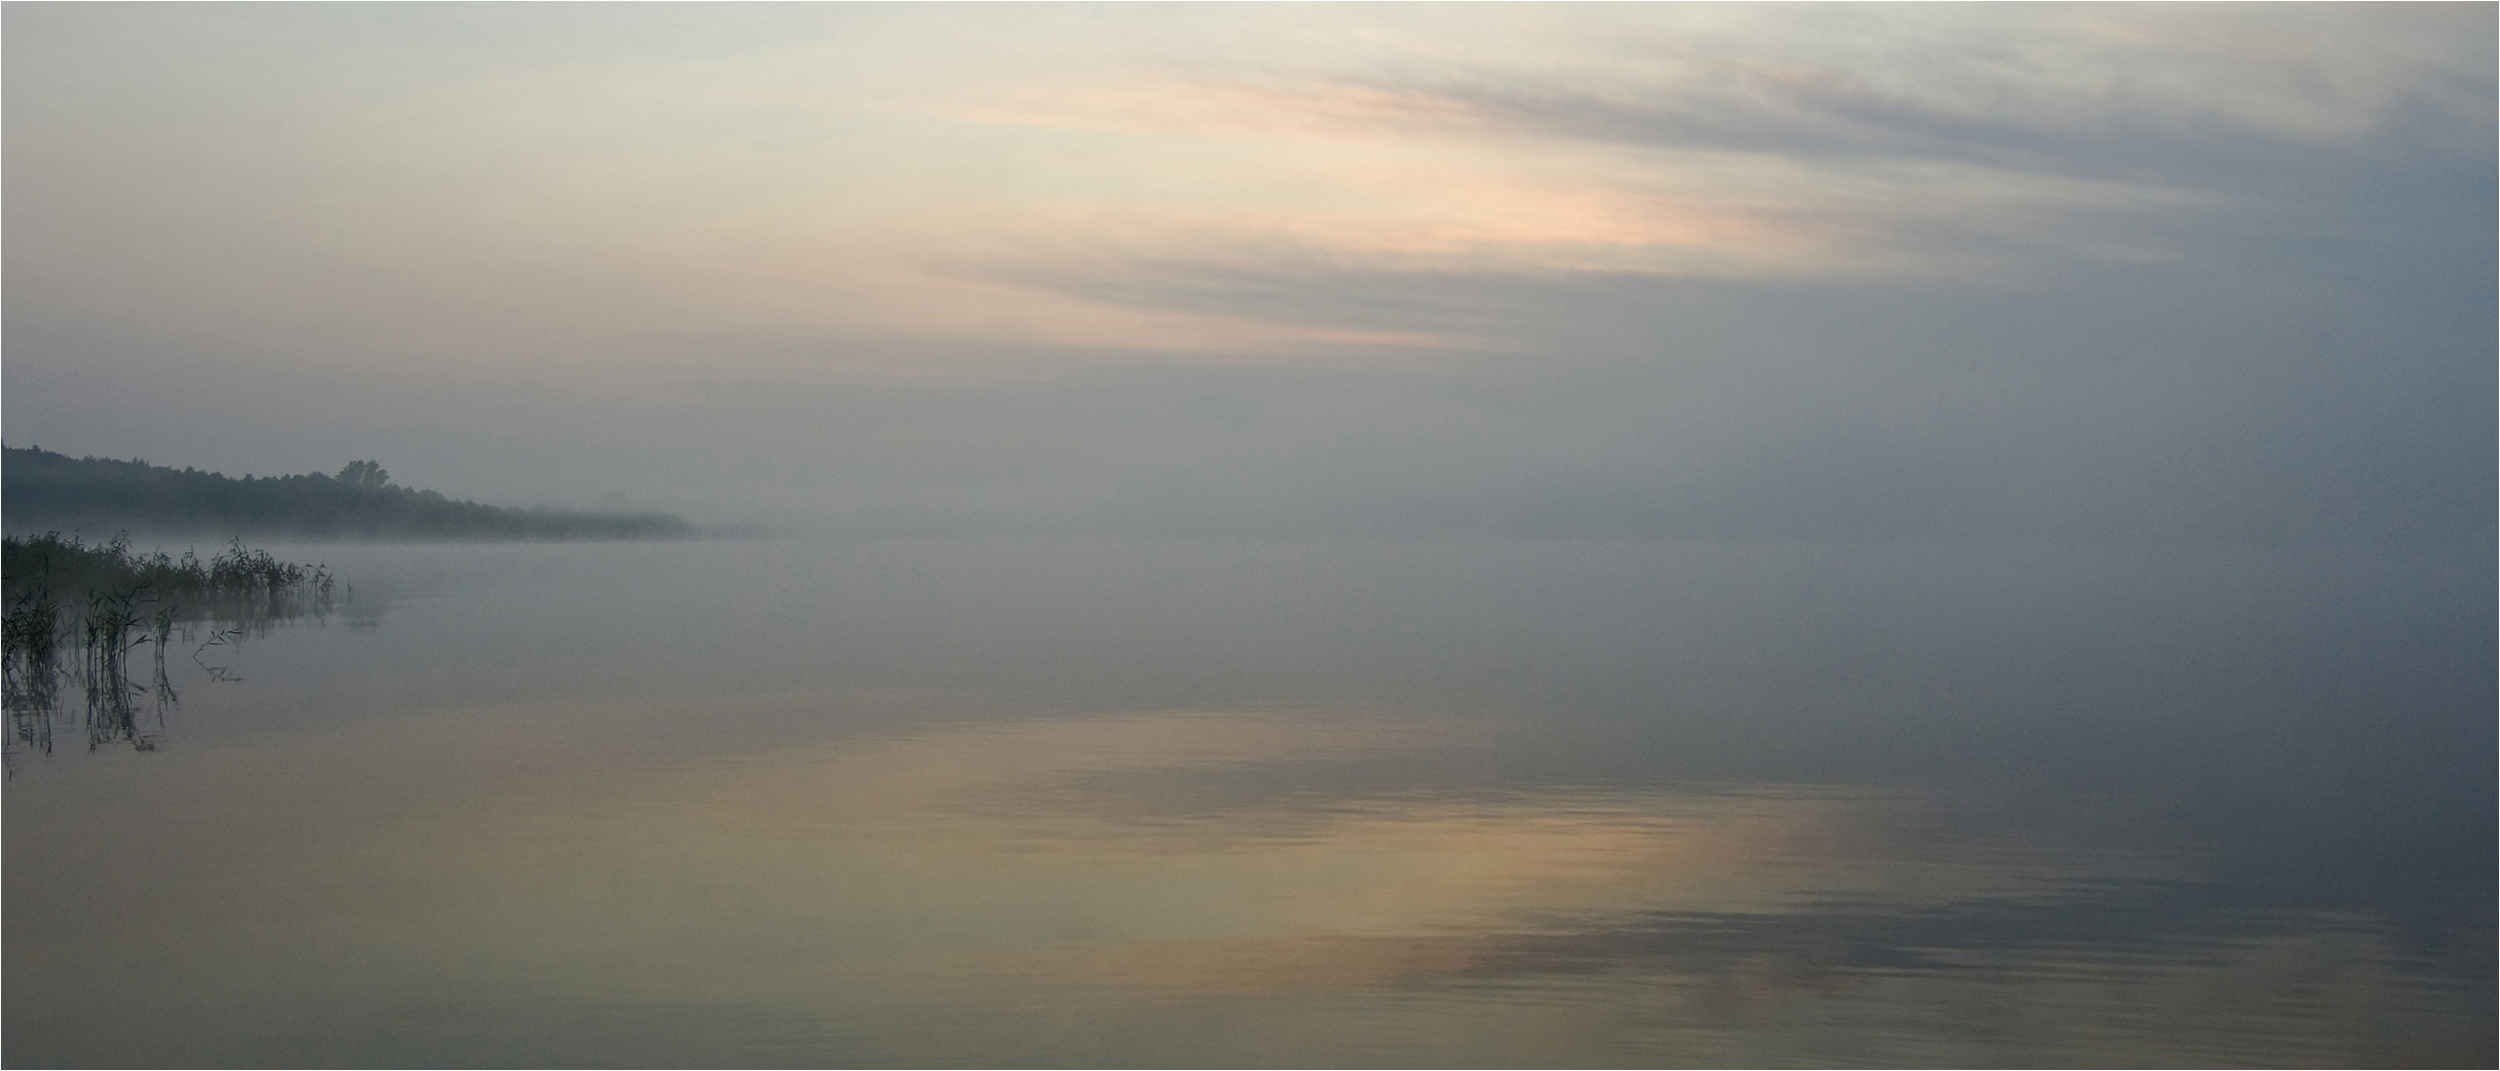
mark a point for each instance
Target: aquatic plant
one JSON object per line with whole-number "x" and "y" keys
{"x": 104, "y": 602}
{"x": 107, "y": 579}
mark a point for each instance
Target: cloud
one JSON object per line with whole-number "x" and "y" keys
{"x": 1662, "y": 270}
{"x": 792, "y": 188}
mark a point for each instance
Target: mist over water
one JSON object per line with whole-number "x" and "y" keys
{"x": 1447, "y": 802}
{"x": 1632, "y": 534}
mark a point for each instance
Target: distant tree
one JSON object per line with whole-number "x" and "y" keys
{"x": 46, "y": 491}
{"x": 365, "y": 474}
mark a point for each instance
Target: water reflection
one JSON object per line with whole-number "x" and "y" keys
{"x": 115, "y": 652}
{"x": 543, "y": 824}
{"x": 1654, "y": 919}
{"x": 118, "y": 707}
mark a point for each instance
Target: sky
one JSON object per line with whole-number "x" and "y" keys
{"x": 1761, "y": 272}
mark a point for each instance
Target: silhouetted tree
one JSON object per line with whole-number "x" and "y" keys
{"x": 368, "y": 475}
{"x": 49, "y": 491}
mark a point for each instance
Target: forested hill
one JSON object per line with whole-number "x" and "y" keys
{"x": 42, "y": 491}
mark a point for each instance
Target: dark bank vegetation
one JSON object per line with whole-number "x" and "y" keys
{"x": 46, "y": 491}
{"x": 77, "y": 613}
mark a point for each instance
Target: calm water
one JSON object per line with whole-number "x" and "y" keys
{"x": 998, "y": 802}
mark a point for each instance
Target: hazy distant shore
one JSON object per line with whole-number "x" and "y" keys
{"x": 41, "y": 491}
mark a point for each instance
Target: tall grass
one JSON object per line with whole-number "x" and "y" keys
{"x": 100, "y": 603}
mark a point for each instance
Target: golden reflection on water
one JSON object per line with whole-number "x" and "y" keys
{"x": 1056, "y": 874}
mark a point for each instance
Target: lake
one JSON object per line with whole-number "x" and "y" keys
{"x": 1062, "y": 802}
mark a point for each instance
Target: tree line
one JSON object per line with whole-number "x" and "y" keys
{"x": 44, "y": 491}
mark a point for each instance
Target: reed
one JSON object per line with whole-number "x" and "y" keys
{"x": 99, "y": 603}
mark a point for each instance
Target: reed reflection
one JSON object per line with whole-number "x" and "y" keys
{"x": 78, "y": 614}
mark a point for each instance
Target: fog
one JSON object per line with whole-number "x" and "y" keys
{"x": 2077, "y": 275}
{"x": 1739, "y": 535}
